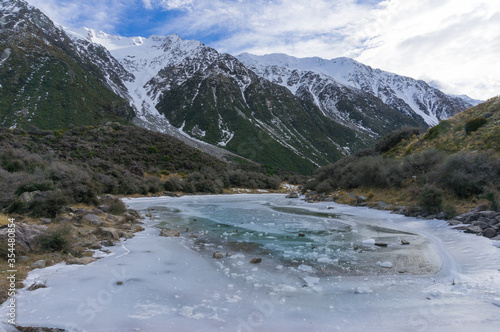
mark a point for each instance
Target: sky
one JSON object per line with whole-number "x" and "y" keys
{"x": 452, "y": 44}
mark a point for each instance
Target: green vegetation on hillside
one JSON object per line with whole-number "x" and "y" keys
{"x": 44, "y": 82}
{"x": 452, "y": 165}
{"x": 265, "y": 123}
{"x": 41, "y": 171}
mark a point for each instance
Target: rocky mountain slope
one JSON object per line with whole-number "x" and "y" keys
{"x": 294, "y": 119}
{"x": 44, "y": 81}
{"x": 330, "y": 82}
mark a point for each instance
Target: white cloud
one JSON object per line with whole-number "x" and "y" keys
{"x": 97, "y": 14}
{"x": 453, "y": 43}
{"x": 176, "y": 4}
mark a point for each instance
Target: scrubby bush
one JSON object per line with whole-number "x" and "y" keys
{"x": 430, "y": 199}
{"x": 389, "y": 141}
{"x": 116, "y": 206}
{"x": 173, "y": 184}
{"x": 468, "y": 174}
{"x": 56, "y": 240}
{"x": 49, "y": 204}
{"x": 423, "y": 162}
{"x": 474, "y": 124}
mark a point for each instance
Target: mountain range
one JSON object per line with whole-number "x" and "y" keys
{"x": 281, "y": 111}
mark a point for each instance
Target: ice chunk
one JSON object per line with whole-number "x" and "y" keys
{"x": 311, "y": 280}
{"x": 385, "y": 264}
{"x": 305, "y": 268}
{"x": 363, "y": 290}
{"x": 369, "y": 241}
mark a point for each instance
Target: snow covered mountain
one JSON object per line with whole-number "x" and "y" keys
{"x": 277, "y": 110}
{"x": 317, "y": 78}
{"x": 177, "y": 85}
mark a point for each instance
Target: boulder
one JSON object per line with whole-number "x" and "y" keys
{"x": 92, "y": 219}
{"x": 256, "y": 260}
{"x": 134, "y": 213}
{"x": 104, "y": 208}
{"x": 170, "y": 194}
{"x": 489, "y": 233}
{"x": 292, "y": 195}
{"x": 45, "y": 220}
{"x": 38, "y": 264}
{"x": 25, "y": 235}
{"x": 218, "y": 255}
{"x": 111, "y": 233}
{"x": 170, "y": 233}
{"x": 361, "y": 200}
{"x": 473, "y": 229}
{"x": 81, "y": 260}
{"x": 29, "y": 197}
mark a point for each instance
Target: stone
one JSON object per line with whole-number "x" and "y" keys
{"x": 45, "y": 220}
{"x": 218, "y": 255}
{"x": 110, "y": 232}
{"x": 405, "y": 242}
{"x": 481, "y": 224}
{"x": 136, "y": 228}
{"x": 380, "y": 244}
{"x": 25, "y": 235}
{"x": 81, "y": 260}
{"x": 473, "y": 229}
{"x": 29, "y": 197}
{"x": 22, "y": 258}
{"x": 302, "y": 234}
{"x": 149, "y": 215}
{"x": 454, "y": 222}
{"x": 383, "y": 205}
{"x": 441, "y": 215}
{"x": 92, "y": 219}
{"x": 360, "y": 200}
{"x": 170, "y": 233}
{"x": 40, "y": 264}
{"x": 292, "y": 195}
{"x": 104, "y": 208}
{"x": 256, "y": 260}
{"x": 170, "y": 194}
{"x": 95, "y": 245}
{"x": 134, "y": 213}
{"x": 489, "y": 233}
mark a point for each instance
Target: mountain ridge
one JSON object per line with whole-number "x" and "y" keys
{"x": 402, "y": 93}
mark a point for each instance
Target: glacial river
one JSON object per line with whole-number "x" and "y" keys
{"x": 320, "y": 267}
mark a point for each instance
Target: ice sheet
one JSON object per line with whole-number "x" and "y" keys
{"x": 318, "y": 272}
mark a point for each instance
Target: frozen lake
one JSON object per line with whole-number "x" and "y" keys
{"x": 325, "y": 267}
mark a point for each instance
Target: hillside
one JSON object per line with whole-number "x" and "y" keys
{"x": 450, "y": 169}
{"x": 43, "y": 170}
{"x": 476, "y": 129}
{"x": 44, "y": 81}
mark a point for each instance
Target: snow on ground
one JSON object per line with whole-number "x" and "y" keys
{"x": 174, "y": 284}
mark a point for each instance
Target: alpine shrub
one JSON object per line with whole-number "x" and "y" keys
{"x": 474, "y": 124}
